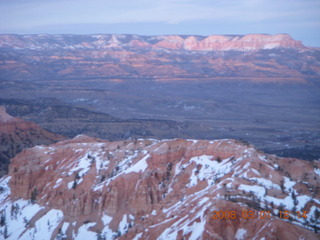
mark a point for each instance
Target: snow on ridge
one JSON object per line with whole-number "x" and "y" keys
{"x": 256, "y": 190}
{"x": 125, "y": 163}
{"x": 4, "y": 183}
{"x": 209, "y": 168}
{"x": 265, "y": 183}
{"x": 196, "y": 228}
{"x": 101, "y": 163}
{"x": 58, "y": 182}
{"x": 125, "y": 167}
{"x": 192, "y": 140}
{"x": 141, "y": 165}
{"x": 288, "y": 184}
{"x": 83, "y": 164}
{"x": 262, "y": 158}
{"x": 85, "y": 233}
{"x": 317, "y": 171}
{"x": 255, "y": 171}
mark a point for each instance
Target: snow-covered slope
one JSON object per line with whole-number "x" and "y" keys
{"x": 88, "y": 188}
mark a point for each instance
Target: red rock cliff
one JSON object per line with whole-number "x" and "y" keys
{"x": 166, "y": 189}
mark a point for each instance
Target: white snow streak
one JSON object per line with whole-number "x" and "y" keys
{"x": 240, "y": 234}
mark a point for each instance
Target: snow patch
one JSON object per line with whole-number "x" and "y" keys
{"x": 65, "y": 227}
{"x": 255, "y": 171}
{"x": 85, "y": 233}
{"x": 123, "y": 225}
{"x": 107, "y": 232}
{"x": 192, "y": 140}
{"x": 138, "y": 236}
{"x": 266, "y": 183}
{"x": 197, "y": 230}
{"x": 317, "y": 171}
{"x": 288, "y": 184}
{"x": 256, "y": 190}
{"x": 47, "y": 224}
{"x": 23, "y": 212}
{"x": 209, "y": 168}
{"x": 58, "y": 182}
{"x": 141, "y": 165}
{"x": 83, "y": 164}
{"x": 240, "y": 234}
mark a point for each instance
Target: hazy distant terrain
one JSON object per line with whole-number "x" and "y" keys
{"x": 147, "y": 91}
{"x": 260, "y": 88}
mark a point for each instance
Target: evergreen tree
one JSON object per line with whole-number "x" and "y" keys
{"x": 3, "y": 219}
{"x": 5, "y": 233}
{"x": 34, "y": 195}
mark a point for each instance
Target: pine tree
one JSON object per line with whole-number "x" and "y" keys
{"x": 3, "y": 219}
{"x": 34, "y": 195}
{"x": 5, "y": 233}
{"x": 74, "y": 185}
{"x": 294, "y": 197}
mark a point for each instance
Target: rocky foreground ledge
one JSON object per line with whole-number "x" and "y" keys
{"x": 88, "y": 188}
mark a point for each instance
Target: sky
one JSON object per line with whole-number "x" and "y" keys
{"x": 299, "y": 18}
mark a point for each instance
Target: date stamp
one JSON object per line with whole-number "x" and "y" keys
{"x": 257, "y": 214}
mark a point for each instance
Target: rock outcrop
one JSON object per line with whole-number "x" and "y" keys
{"x": 17, "y": 134}
{"x": 170, "y": 189}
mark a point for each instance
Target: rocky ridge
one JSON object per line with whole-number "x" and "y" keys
{"x": 17, "y": 134}
{"x": 139, "y": 189}
{"x": 250, "y": 42}
{"x": 257, "y": 57}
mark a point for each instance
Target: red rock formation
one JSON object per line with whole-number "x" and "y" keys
{"x": 164, "y": 190}
{"x": 159, "y": 57}
{"x": 17, "y": 134}
{"x": 170, "y": 42}
{"x": 251, "y": 42}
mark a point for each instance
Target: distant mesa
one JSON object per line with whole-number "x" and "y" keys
{"x": 250, "y": 42}
{"x": 253, "y": 57}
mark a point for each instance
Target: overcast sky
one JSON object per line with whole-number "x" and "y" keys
{"x": 299, "y": 18}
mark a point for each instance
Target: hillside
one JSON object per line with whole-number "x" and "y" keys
{"x": 96, "y": 189}
{"x": 17, "y": 134}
